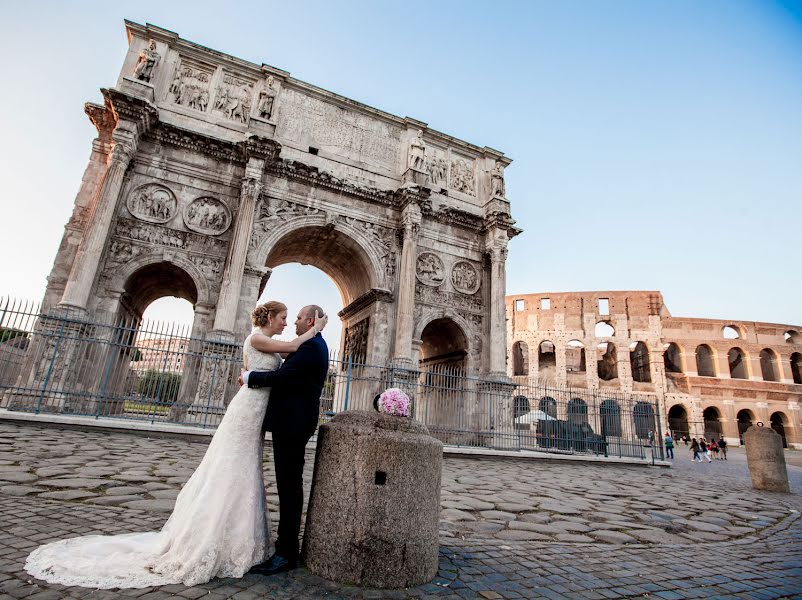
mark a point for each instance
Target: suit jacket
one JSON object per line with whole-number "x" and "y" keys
{"x": 294, "y": 405}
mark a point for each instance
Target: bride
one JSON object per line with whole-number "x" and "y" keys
{"x": 219, "y": 526}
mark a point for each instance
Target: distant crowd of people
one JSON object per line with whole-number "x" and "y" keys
{"x": 700, "y": 448}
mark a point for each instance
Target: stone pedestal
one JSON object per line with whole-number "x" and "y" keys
{"x": 764, "y": 455}
{"x": 374, "y": 508}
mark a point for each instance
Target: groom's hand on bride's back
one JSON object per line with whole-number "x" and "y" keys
{"x": 239, "y": 379}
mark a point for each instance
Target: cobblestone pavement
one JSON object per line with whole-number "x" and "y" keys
{"x": 509, "y": 528}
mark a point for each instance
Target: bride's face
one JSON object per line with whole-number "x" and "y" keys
{"x": 278, "y": 323}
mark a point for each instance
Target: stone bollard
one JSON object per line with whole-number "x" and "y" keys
{"x": 374, "y": 508}
{"x": 765, "y": 458}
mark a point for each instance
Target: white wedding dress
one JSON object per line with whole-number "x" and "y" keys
{"x": 219, "y": 526}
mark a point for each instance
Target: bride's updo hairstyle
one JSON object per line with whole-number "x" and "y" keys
{"x": 262, "y": 314}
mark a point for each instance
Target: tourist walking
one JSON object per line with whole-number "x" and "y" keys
{"x": 714, "y": 447}
{"x": 695, "y": 450}
{"x": 669, "y": 446}
{"x": 704, "y": 450}
{"x": 722, "y": 444}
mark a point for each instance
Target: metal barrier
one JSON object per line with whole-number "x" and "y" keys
{"x": 156, "y": 372}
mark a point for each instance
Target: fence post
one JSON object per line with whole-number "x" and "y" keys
{"x": 659, "y": 429}
{"x": 107, "y": 375}
{"x": 50, "y": 367}
{"x": 348, "y": 381}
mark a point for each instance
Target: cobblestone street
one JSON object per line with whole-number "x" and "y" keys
{"x": 510, "y": 528}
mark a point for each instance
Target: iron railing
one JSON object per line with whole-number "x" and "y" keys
{"x": 63, "y": 362}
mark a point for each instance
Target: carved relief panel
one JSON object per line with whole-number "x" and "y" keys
{"x": 233, "y": 98}
{"x": 190, "y": 85}
{"x": 356, "y": 340}
{"x": 207, "y": 215}
{"x": 464, "y": 277}
{"x": 429, "y": 269}
{"x": 463, "y": 177}
{"x": 437, "y": 166}
{"x": 153, "y": 203}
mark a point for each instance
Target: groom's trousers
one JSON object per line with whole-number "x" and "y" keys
{"x": 288, "y": 457}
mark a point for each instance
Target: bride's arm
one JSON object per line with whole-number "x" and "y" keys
{"x": 267, "y": 344}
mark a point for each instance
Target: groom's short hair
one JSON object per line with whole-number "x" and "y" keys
{"x": 309, "y": 311}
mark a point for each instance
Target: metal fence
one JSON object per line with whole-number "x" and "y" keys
{"x": 65, "y": 363}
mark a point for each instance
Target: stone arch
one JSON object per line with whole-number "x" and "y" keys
{"x": 792, "y": 337}
{"x": 604, "y": 329}
{"x": 796, "y": 367}
{"x": 202, "y": 291}
{"x": 678, "y": 421}
{"x": 643, "y": 417}
{"x": 736, "y": 358}
{"x": 780, "y": 423}
{"x": 705, "y": 361}
{"x": 520, "y": 358}
{"x": 607, "y": 365}
{"x": 448, "y": 324}
{"x": 769, "y": 365}
{"x": 672, "y": 358}
{"x": 575, "y": 357}
{"x": 610, "y": 413}
{"x": 577, "y": 411}
{"x": 356, "y": 268}
{"x": 712, "y": 422}
{"x": 639, "y": 361}
{"x": 548, "y": 405}
{"x": 732, "y": 332}
{"x": 745, "y": 419}
{"x": 546, "y": 359}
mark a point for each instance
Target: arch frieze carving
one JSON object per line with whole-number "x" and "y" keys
{"x": 172, "y": 238}
{"x": 464, "y": 277}
{"x": 429, "y": 295}
{"x": 153, "y": 203}
{"x": 207, "y": 215}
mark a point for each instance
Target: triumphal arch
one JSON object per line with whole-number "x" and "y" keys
{"x": 208, "y": 171}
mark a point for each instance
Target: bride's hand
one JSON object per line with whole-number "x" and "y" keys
{"x": 320, "y": 321}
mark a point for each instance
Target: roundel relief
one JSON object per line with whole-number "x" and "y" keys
{"x": 207, "y": 215}
{"x": 153, "y": 203}
{"x": 464, "y": 277}
{"x": 429, "y": 269}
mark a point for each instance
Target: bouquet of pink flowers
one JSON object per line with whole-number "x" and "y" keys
{"x": 394, "y": 402}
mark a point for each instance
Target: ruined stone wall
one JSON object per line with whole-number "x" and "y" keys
{"x": 768, "y": 390}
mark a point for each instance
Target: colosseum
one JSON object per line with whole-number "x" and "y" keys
{"x": 710, "y": 377}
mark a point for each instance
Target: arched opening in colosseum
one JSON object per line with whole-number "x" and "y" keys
{"x": 736, "y": 358}
{"x": 796, "y": 367}
{"x": 610, "y": 413}
{"x": 672, "y": 358}
{"x": 678, "y": 421}
{"x": 768, "y": 365}
{"x": 520, "y": 359}
{"x": 779, "y": 423}
{"x": 745, "y": 419}
{"x": 643, "y": 415}
{"x": 577, "y": 411}
{"x": 712, "y": 422}
{"x": 731, "y": 332}
{"x": 548, "y": 405}
{"x": 604, "y": 329}
{"x": 546, "y": 360}
{"x": 575, "y": 357}
{"x": 793, "y": 337}
{"x": 521, "y": 406}
{"x": 705, "y": 365}
{"x": 607, "y": 365}
{"x": 155, "y": 366}
{"x": 639, "y": 362}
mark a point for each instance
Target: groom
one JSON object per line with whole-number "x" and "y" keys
{"x": 292, "y": 416}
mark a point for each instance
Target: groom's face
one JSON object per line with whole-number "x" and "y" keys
{"x": 302, "y": 323}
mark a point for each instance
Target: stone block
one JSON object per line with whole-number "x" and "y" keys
{"x": 374, "y": 507}
{"x": 764, "y": 455}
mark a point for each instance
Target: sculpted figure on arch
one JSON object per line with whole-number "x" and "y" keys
{"x": 146, "y": 62}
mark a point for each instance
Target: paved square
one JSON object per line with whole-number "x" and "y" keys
{"x": 509, "y": 528}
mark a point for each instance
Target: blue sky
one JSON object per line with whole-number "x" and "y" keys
{"x": 656, "y": 145}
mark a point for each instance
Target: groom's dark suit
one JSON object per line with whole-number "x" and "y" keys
{"x": 292, "y": 416}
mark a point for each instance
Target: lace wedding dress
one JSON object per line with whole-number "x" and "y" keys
{"x": 219, "y": 525}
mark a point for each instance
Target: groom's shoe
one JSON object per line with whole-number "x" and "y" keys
{"x": 273, "y": 565}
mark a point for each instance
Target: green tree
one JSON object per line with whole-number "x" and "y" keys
{"x": 9, "y": 333}
{"x": 159, "y": 386}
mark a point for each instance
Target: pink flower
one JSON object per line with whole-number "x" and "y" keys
{"x": 394, "y": 402}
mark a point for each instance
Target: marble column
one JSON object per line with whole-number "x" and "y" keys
{"x": 405, "y": 322}
{"x": 87, "y": 260}
{"x": 226, "y": 315}
{"x": 497, "y": 250}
